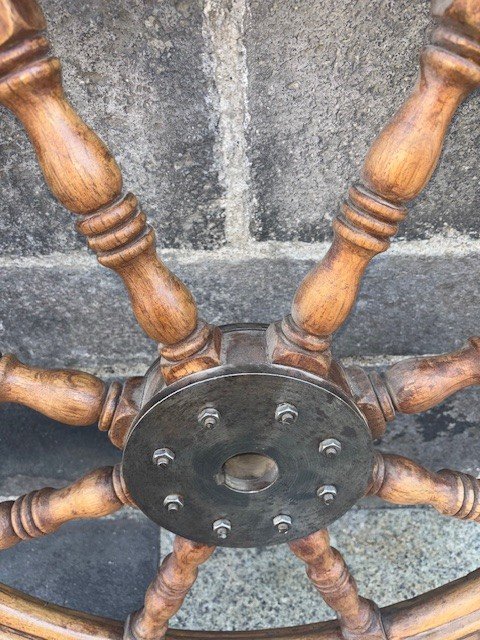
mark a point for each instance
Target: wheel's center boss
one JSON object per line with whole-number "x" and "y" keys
{"x": 248, "y": 454}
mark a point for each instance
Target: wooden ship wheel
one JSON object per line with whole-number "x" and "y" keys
{"x": 244, "y": 435}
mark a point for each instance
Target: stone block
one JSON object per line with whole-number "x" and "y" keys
{"x": 324, "y": 78}
{"x": 136, "y": 75}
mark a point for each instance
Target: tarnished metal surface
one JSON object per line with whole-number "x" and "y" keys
{"x": 246, "y": 398}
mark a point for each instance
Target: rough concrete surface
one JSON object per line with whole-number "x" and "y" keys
{"x": 424, "y": 305}
{"x": 446, "y": 436}
{"x": 225, "y": 113}
{"x": 135, "y": 73}
{"x": 102, "y": 567}
{"x": 324, "y": 77}
{"x": 36, "y": 451}
{"x": 394, "y": 554}
{"x": 239, "y": 124}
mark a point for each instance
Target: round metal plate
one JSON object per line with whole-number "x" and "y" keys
{"x": 246, "y": 400}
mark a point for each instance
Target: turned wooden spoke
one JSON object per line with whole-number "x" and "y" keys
{"x": 326, "y": 568}
{"x": 72, "y": 397}
{"x": 86, "y": 179}
{"x": 398, "y": 166}
{"x": 418, "y": 384}
{"x": 401, "y": 481}
{"x": 413, "y": 385}
{"x": 168, "y": 590}
{"x": 41, "y": 512}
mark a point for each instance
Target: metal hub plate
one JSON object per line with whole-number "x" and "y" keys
{"x": 287, "y": 471}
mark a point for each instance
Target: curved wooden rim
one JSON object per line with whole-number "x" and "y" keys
{"x": 450, "y": 612}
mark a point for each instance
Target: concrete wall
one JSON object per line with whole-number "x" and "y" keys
{"x": 240, "y": 124}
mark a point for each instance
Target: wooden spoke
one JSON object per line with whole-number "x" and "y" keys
{"x": 72, "y": 397}
{"x": 168, "y": 590}
{"x": 451, "y": 612}
{"x": 413, "y": 385}
{"x": 398, "y": 166}
{"x": 418, "y": 384}
{"x": 359, "y": 618}
{"x": 401, "y": 481}
{"x": 41, "y": 512}
{"x": 69, "y": 396}
{"x": 86, "y": 179}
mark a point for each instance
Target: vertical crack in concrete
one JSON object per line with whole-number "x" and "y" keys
{"x": 225, "y": 65}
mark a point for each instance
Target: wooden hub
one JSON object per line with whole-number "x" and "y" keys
{"x": 284, "y": 454}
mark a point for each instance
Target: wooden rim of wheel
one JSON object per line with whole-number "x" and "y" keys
{"x": 425, "y": 617}
{"x": 84, "y": 177}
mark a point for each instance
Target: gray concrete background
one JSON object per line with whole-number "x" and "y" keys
{"x": 239, "y": 124}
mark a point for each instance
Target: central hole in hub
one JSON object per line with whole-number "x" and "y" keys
{"x": 249, "y": 472}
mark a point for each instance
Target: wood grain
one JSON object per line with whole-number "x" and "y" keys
{"x": 41, "y": 512}
{"x": 124, "y": 242}
{"x": 412, "y": 385}
{"x": 398, "y": 166}
{"x": 167, "y": 592}
{"x": 19, "y": 20}
{"x": 450, "y": 612}
{"x": 418, "y": 384}
{"x": 121, "y": 408}
{"x": 366, "y": 396}
{"x": 200, "y": 351}
{"x": 358, "y": 617}
{"x": 402, "y": 481}
{"x": 69, "y": 396}
{"x": 85, "y": 178}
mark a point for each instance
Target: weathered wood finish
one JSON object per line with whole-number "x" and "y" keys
{"x": 358, "y": 617}
{"x": 121, "y": 407}
{"x": 41, "y": 512}
{"x": 398, "y": 166}
{"x": 451, "y": 612}
{"x": 413, "y": 385}
{"x": 198, "y": 352}
{"x": 375, "y": 406}
{"x": 418, "y": 384}
{"x": 401, "y": 481}
{"x": 289, "y": 345}
{"x": 85, "y": 178}
{"x": 168, "y": 590}
{"x": 71, "y": 397}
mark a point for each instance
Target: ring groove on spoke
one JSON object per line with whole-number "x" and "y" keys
{"x": 38, "y": 513}
{"x": 402, "y": 481}
{"x": 359, "y": 618}
{"x": 166, "y": 593}
{"x": 84, "y": 177}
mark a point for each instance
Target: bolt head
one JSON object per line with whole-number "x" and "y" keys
{"x": 286, "y": 413}
{"x": 222, "y": 528}
{"x": 283, "y": 523}
{"x": 163, "y": 457}
{"x": 330, "y": 447}
{"x": 328, "y": 493}
{"x": 173, "y": 502}
{"x": 209, "y": 418}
